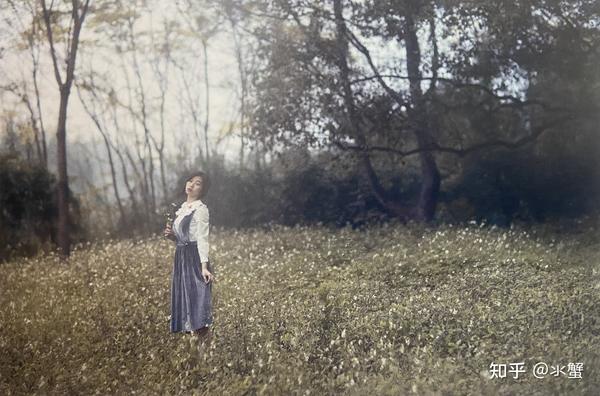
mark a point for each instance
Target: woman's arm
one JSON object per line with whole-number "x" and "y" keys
{"x": 168, "y": 233}
{"x": 201, "y": 233}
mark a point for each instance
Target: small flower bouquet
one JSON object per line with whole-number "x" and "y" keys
{"x": 169, "y": 213}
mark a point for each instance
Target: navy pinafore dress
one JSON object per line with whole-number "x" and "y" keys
{"x": 191, "y": 296}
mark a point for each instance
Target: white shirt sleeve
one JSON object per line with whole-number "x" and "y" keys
{"x": 201, "y": 232}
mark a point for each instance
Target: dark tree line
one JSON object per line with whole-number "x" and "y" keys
{"x": 418, "y": 109}
{"x": 465, "y": 78}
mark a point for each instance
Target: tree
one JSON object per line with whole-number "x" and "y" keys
{"x": 321, "y": 84}
{"x": 78, "y": 12}
{"x": 32, "y": 37}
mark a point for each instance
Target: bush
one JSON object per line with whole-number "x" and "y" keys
{"x": 29, "y": 208}
{"x": 502, "y": 186}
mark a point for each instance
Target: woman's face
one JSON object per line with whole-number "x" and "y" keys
{"x": 193, "y": 187}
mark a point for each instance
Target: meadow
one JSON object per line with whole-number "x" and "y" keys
{"x": 385, "y": 310}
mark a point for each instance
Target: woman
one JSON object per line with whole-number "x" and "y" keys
{"x": 192, "y": 279}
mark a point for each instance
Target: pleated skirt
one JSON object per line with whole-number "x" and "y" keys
{"x": 191, "y": 296}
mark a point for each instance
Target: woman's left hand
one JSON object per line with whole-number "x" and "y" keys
{"x": 169, "y": 233}
{"x": 206, "y": 274}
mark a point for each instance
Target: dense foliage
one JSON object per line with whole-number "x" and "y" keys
{"x": 28, "y": 207}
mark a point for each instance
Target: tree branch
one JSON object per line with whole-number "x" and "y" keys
{"x": 537, "y": 132}
{"x": 50, "y": 35}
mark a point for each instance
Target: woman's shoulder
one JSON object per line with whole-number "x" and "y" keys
{"x": 199, "y": 204}
{"x": 200, "y": 208}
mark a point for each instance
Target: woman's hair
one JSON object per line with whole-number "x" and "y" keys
{"x": 205, "y": 182}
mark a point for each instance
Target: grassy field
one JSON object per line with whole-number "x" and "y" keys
{"x": 386, "y": 310}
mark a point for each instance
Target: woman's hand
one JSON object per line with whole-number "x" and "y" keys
{"x": 169, "y": 233}
{"x": 207, "y": 275}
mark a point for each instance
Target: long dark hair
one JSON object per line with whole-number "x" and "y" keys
{"x": 205, "y": 182}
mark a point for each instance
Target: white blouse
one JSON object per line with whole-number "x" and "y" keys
{"x": 199, "y": 225}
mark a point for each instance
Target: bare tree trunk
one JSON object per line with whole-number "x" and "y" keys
{"x": 191, "y": 104}
{"x": 197, "y": 17}
{"x": 207, "y": 100}
{"x": 33, "y": 40}
{"x": 142, "y": 176}
{"x": 42, "y": 128}
{"x": 107, "y": 145}
{"x": 113, "y": 175}
{"x": 36, "y": 130}
{"x": 61, "y": 130}
{"x": 163, "y": 81}
{"x": 430, "y": 176}
{"x": 63, "y": 183}
{"x": 243, "y": 81}
{"x": 34, "y": 51}
{"x": 354, "y": 120}
{"x": 116, "y": 148}
{"x": 144, "y": 119}
{"x": 424, "y": 210}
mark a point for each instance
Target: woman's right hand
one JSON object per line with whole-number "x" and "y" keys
{"x": 169, "y": 233}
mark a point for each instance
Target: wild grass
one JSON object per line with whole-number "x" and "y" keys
{"x": 389, "y": 309}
